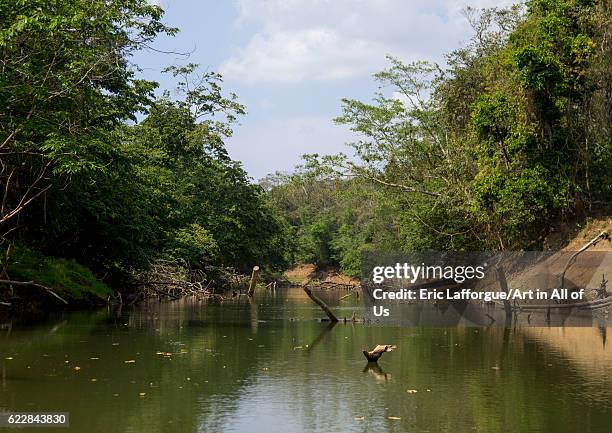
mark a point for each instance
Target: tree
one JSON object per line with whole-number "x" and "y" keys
{"x": 508, "y": 139}
{"x": 66, "y": 83}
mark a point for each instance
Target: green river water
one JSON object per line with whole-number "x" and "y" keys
{"x": 267, "y": 366}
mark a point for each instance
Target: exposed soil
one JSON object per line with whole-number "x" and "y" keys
{"x": 545, "y": 273}
{"x": 571, "y": 237}
{"x": 305, "y": 272}
{"x": 588, "y": 232}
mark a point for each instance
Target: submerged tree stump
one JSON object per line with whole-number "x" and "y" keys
{"x": 253, "y": 281}
{"x": 375, "y": 354}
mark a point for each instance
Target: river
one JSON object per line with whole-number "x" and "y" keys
{"x": 267, "y": 366}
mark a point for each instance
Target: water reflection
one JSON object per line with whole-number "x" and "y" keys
{"x": 268, "y": 366}
{"x": 374, "y": 369}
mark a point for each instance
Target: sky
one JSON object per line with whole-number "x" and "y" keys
{"x": 292, "y": 61}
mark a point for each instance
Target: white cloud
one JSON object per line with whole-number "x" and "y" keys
{"x": 293, "y": 137}
{"x": 295, "y": 40}
{"x": 285, "y": 56}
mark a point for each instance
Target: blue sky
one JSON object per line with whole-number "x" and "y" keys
{"x": 291, "y": 61}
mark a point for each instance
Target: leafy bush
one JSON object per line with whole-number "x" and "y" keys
{"x": 67, "y": 277}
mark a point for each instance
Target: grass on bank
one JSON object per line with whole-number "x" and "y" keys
{"x": 66, "y": 277}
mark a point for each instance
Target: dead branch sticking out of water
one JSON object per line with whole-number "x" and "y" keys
{"x": 320, "y": 303}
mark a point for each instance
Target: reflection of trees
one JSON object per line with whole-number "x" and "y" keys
{"x": 479, "y": 380}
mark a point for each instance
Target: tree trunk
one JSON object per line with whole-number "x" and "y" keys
{"x": 253, "y": 282}
{"x": 321, "y": 304}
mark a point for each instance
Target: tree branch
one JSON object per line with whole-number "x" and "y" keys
{"x": 33, "y": 284}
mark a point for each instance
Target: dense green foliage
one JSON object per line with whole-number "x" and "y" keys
{"x": 95, "y": 167}
{"x": 490, "y": 151}
{"x": 67, "y": 277}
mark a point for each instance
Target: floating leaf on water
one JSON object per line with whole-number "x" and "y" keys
{"x": 411, "y": 391}
{"x": 130, "y": 361}
{"x": 394, "y": 417}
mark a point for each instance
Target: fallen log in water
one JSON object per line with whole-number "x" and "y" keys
{"x": 321, "y": 304}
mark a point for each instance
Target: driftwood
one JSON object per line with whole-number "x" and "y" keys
{"x": 375, "y": 354}
{"x": 321, "y": 304}
{"x": 253, "y": 281}
{"x": 33, "y": 284}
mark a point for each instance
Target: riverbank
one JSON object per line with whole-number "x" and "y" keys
{"x": 41, "y": 283}
{"x": 33, "y": 282}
